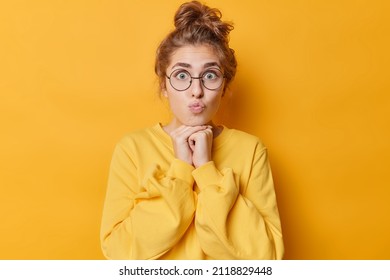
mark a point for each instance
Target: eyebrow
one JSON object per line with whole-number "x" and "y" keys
{"x": 186, "y": 65}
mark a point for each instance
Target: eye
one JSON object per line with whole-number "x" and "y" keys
{"x": 211, "y": 75}
{"x": 181, "y": 75}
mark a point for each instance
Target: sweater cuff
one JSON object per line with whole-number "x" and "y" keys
{"x": 181, "y": 170}
{"x": 207, "y": 175}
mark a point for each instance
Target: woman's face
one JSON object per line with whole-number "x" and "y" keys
{"x": 196, "y": 105}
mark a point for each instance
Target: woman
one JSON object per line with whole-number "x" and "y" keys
{"x": 191, "y": 189}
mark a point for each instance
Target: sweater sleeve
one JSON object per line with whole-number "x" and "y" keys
{"x": 233, "y": 225}
{"x": 144, "y": 220}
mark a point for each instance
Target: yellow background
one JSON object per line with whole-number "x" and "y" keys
{"x": 313, "y": 83}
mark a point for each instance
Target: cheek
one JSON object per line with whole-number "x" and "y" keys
{"x": 175, "y": 102}
{"x": 216, "y": 101}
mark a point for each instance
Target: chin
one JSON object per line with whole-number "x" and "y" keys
{"x": 196, "y": 122}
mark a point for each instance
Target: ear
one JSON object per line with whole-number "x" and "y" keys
{"x": 164, "y": 93}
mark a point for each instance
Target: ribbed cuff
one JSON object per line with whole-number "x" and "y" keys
{"x": 207, "y": 175}
{"x": 181, "y": 170}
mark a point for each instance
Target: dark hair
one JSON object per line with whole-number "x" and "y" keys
{"x": 197, "y": 24}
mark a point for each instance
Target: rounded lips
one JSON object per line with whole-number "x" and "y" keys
{"x": 196, "y": 107}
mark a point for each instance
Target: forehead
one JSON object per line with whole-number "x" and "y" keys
{"x": 196, "y": 57}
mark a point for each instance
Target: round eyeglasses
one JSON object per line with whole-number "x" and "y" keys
{"x": 212, "y": 79}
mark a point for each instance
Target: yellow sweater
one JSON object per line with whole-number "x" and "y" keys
{"x": 159, "y": 207}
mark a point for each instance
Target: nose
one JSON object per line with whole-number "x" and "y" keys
{"x": 196, "y": 88}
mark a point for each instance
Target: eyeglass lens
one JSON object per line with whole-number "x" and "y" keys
{"x": 181, "y": 79}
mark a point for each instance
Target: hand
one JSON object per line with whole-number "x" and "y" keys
{"x": 200, "y": 144}
{"x": 181, "y": 141}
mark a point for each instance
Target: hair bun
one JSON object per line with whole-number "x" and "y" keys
{"x": 198, "y": 17}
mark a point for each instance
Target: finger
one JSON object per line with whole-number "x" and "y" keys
{"x": 187, "y": 129}
{"x": 184, "y": 132}
{"x": 208, "y": 132}
{"x": 205, "y": 135}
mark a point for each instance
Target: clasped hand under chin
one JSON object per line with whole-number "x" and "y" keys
{"x": 193, "y": 144}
